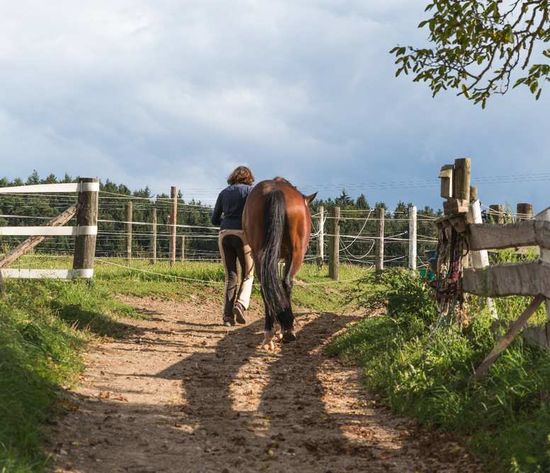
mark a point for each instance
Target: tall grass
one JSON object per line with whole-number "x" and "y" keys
{"x": 426, "y": 372}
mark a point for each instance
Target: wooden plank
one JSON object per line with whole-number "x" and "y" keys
{"x": 32, "y": 242}
{"x": 524, "y": 279}
{"x": 48, "y": 231}
{"x": 487, "y": 236}
{"x": 514, "y": 329}
{"x": 446, "y": 176}
{"x": 92, "y": 186}
{"x": 19, "y": 273}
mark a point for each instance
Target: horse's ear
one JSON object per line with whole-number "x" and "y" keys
{"x": 310, "y": 198}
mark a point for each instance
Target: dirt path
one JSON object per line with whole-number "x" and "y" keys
{"x": 184, "y": 394}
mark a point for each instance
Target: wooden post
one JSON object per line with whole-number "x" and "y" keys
{"x": 321, "y": 237}
{"x": 380, "y": 240}
{"x": 496, "y": 213}
{"x": 173, "y": 223}
{"x": 334, "y": 262}
{"x": 129, "y": 228}
{"x": 182, "y": 248}
{"x": 86, "y": 216}
{"x": 154, "y": 237}
{"x": 461, "y": 179}
{"x": 544, "y": 253}
{"x": 524, "y": 211}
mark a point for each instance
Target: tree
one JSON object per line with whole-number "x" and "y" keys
{"x": 477, "y": 44}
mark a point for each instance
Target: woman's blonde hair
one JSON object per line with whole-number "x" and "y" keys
{"x": 241, "y": 175}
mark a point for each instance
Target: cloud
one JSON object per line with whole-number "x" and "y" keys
{"x": 170, "y": 92}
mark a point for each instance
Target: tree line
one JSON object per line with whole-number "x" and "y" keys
{"x": 359, "y": 218}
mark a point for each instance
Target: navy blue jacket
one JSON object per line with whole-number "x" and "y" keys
{"x": 230, "y": 203}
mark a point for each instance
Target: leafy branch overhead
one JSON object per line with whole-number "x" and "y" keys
{"x": 477, "y": 44}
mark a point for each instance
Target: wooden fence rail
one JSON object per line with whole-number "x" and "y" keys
{"x": 85, "y": 231}
{"x": 523, "y": 279}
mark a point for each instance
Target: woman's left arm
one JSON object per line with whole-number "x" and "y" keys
{"x": 217, "y": 212}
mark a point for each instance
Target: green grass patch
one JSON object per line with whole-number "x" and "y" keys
{"x": 426, "y": 373}
{"x": 43, "y": 327}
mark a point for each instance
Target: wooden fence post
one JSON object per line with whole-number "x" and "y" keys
{"x": 183, "y": 248}
{"x": 334, "y": 261}
{"x": 380, "y": 240}
{"x": 461, "y": 179}
{"x": 321, "y": 237}
{"x": 86, "y": 216}
{"x": 496, "y": 213}
{"x": 154, "y": 237}
{"x": 173, "y": 223}
{"x": 524, "y": 211}
{"x": 129, "y": 228}
{"x": 412, "y": 237}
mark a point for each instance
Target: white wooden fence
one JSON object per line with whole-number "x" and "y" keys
{"x": 85, "y": 231}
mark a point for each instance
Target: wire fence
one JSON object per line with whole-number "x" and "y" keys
{"x": 197, "y": 238}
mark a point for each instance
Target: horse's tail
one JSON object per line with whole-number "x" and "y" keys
{"x": 276, "y": 298}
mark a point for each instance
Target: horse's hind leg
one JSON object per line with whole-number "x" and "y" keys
{"x": 269, "y": 330}
{"x": 287, "y": 317}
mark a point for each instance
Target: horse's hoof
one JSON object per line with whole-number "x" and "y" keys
{"x": 268, "y": 346}
{"x": 289, "y": 336}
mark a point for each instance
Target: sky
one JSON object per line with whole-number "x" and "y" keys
{"x": 164, "y": 92}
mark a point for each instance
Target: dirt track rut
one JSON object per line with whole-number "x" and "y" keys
{"x": 181, "y": 393}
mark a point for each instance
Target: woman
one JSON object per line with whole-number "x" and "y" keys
{"x": 227, "y": 214}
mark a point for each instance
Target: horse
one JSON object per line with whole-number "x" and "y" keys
{"x": 277, "y": 225}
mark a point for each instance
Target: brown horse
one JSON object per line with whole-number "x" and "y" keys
{"x": 277, "y": 225}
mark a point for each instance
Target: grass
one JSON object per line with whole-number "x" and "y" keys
{"x": 426, "y": 373}
{"x": 45, "y": 325}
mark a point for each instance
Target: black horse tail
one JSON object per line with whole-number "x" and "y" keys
{"x": 276, "y": 299}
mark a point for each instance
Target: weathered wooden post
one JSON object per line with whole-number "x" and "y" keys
{"x": 182, "y": 248}
{"x": 380, "y": 240}
{"x": 412, "y": 237}
{"x": 86, "y": 221}
{"x": 173, "y": 223}
{"x": 129, "y": 228}
{"x": 154, "y": 236}
{"x": 524, "y": 211}
{"x": 461, "y": 179}
{"x": 321, "y": 237}
{"x": 496, "y": 213}
{"x": 334, "y": 261}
